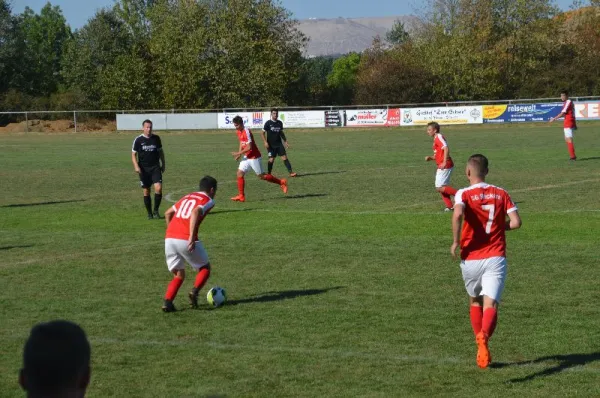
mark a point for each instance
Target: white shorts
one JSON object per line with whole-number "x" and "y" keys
{"x": 254, "y": 164}
{"x": 484, "y": 277}
{"x": 442, "y": 177}
{"x": 568, "y": 132}
{"x": 177, "y": 254}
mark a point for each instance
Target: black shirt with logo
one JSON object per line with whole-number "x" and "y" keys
{"x": 148, "y": 150}
{"x": 274, "y": 130}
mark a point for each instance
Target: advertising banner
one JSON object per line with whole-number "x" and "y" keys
{"x": 515, "y": 113}
{"x": 442, "y": 115}
{"x": 301, "y": 119}
{"x": 587, "y": 110}
{"x": 253, "y": 120}
{"x": 334, "y": 119}
{"x": 372, "y": 117}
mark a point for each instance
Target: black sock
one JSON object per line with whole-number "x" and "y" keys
{"x": 270, "y": 166}
{"x": 288, "y": 165}
{"x": 195, "y": 291}
{"x": 157, "y": 199}
{"x": 148, "y": 204}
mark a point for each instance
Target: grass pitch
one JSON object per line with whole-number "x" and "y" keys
{"x": 343, "y": 288}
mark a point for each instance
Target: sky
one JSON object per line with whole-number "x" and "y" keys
{"x": 77, "y": 12}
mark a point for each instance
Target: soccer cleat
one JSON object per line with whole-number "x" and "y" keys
{"x": 573, "y": 159}
{"x": 447, "y": 209}
{"x": 193, "y": 299}
{"x": 239, "y": 198}
{"x": 168, "y": 306}
{"x": 157, "y": 214}
{"x": 150, "y": 217}
{"x": 483, "y": 352}
{"x": 293, "y": 174}
{"x": 284, "y": 186}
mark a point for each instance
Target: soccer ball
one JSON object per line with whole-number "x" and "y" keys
{"x": 216, "y": 296}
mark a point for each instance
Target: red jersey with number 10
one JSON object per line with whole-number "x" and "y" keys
{"x": 179, "y": 227}
{"x": 569, "y": 111}
{"x": 246, "y": 138}
{"x": 439, "y": 143}
{"x": 485, "y": 209}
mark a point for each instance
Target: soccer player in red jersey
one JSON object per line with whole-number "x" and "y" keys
{"x": 482, "y": 242}
{"x": 445, "y": 165}
{"x": 251, "y": 159}
{"x": 569, "y": 124}
{"x": 182, "y": 244}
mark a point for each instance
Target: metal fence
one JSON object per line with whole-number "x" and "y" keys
{"x": 105, "y": 120}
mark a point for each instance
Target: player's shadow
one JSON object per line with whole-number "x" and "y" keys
{"x": 14, "y": 247}
{"x": 318, "y": 173}
{"x": 281, "y": 295}
{"x": 565, "y": 362}
{"x": 54, "y": 202}
{"x": 591, "y": 158}
{"x": 303, "y": 196}
{"x": 228, "y": 211}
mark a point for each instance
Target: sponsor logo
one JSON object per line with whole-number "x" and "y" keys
{"x": 475, "y": 114}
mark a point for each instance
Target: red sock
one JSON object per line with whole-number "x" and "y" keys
{"x": 571, "y": 150}
{"x": 241, "y": 182}
{"x": 448, "y": 190}
{"x": 476, "y": 313}
{"x": 173, "y": 288}
{"x": 273, "y": 179}
{"x": 490, "y": 317}
{"x": 447, "y": 200}
{"x": 201, "y": 278}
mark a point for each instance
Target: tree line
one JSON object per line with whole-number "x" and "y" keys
{"x": 150, "y": 54}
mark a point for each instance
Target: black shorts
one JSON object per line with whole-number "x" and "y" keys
{"x": 275, "y": 151}
{"x": 149, "y": 176}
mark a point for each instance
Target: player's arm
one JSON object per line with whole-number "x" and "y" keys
{"x": 562, "y": 114}
{"x": 514, "y": 221}
{"x": 169, "y": 215}
{"x": 285, "y": 142}
{"x": 446, "y": 154}
{"x": 194, "y": 224}
{"x": 457, "y": 219}
{"x": 136, "y": 166}
{"x": 263, "y": 134}
{"x": 161, "y": 153}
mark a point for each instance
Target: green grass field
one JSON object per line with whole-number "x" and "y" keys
{"x": 343, "y": 288}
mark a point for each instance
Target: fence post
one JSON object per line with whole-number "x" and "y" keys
{"x": 26, "y": 123}
{"x": 75, "y": 119}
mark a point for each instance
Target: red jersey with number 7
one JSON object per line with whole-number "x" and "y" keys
{"x": 179, "y": 227}
{"x": 485, "y": 210}
{"x": 569, "y": 110}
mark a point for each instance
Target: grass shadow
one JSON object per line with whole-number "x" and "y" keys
{"x": 228, "y": 211}
{"x": 318, "y": 173}
{"x": 281, "y": 295}
{"x": 304, "y": 196}
{"x": 55, "y": 202}
{"x": 565, "y": 362}
{"x": 590, "y": 158}
{"x": 14, "y": 247}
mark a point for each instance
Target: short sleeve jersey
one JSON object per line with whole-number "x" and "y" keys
{"x": 569, "y": 111}
{"x": 485, "y": 210}
{"x": 246, "y": 138}
{"x": 439, "y": 143}
{"x": 148, "y": 150}
{"x": 179, "y": 227}
{"x": 274, "y": 129}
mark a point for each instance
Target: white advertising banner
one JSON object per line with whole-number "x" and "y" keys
{"x": 253, "y": 120}
{"x": 372, "y": 117}
{"x": 442, "y": 115}
{"x": 301, "y": 119}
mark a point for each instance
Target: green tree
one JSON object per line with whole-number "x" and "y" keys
{"x": 7, "y": 46}
{"x": 342, "y": 78}
{"x": 398, "y": 34}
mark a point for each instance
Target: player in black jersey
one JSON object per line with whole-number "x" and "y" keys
{"x": 276, "y": 142}
{"x": 149, "y": 164}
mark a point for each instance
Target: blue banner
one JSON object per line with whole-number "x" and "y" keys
{"x": 520, "y": 113}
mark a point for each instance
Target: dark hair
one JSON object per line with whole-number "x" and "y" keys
{"x": 565, "y": 92}
{"x": 479, "y": 163}
{"x": 274, "y": 110}
{"x": 56, "y": 357}
{"x": 147, "y": 121}
{"x": 238, "y": 120}
{"x": 435, "y": 125}
{"x": 206, "y": 183}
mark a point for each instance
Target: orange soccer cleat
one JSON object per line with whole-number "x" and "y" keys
{"x": 293, "y": 174}
{"x": 239, "y": 198}
{"x": 284, "y": 186}
{"x": 484, "y": 357}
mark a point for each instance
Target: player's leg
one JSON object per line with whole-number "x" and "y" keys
{"x": 198, "y": 259}
{"x": 257, "y": 167}
{"x": 176, "y": 264}
{"x": 241, "y": 182}
{"x": 145, "y": 183}
{"x": 286, "y": 161}
{"x": 442, "y": 180}
{"x": 271, "y": 161}
{"x": 472, "y": 273}
{"x": 157, "y": 181}
{"x": 570, "y": 144}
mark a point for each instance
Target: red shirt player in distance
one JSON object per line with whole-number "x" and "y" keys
{"x": 569, "y": 124}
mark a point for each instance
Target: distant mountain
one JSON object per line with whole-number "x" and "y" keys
{"x": 337, "y": 36}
